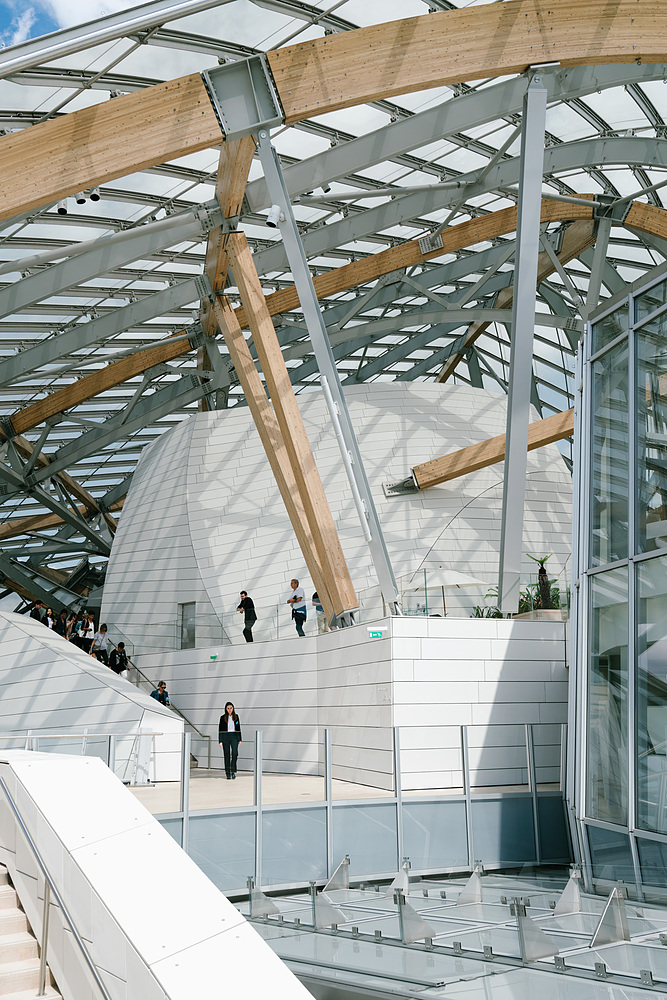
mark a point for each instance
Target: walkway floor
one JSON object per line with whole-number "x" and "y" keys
{"x": 211, "y": 790}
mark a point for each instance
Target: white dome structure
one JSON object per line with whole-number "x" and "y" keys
{"x": 204, "y": 518}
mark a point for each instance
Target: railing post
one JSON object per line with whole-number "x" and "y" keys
{"x": 465, "y": 770}
{"x": 111, "y": 760}
{"x": 258, "y": 808}
{"x": 532, "y": 788}
{"x": 185, "y": 790}
{"x": 398, "y": 791}
{"x": 45, "y": 938}
{"x": 328, "y": 798}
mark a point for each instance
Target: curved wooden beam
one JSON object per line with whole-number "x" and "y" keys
{"x": 490, "y": 40}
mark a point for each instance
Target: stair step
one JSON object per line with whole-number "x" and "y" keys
{"x": 4, "y": 875}
{"x": 13, "y": 921}
{"x": 17, "y": 948}
{"x": 19, "y": 976}
{"x": 8, "y": 898}
{"x": 51, "y": 994}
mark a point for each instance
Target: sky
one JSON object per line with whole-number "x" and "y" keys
{"x": 24, "y": 19}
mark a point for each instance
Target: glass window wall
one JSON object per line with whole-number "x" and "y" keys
{"x": 609, "y": 488}
{"x": 609, "y": 328}
{"x": 652, "y": 435}
{"x": 652, "y": 695}
{"x": 607, "y": 752}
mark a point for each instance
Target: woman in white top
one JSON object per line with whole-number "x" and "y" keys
{"x": 98, "y": 646}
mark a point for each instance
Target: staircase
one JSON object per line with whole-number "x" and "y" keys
{"x": 19, "y": 953}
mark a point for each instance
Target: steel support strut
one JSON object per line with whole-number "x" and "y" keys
{"x": 325, "y": 359}
{"x": 523, "y": 323}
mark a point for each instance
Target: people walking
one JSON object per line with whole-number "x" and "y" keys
{"x": 322, "y": 625}
{"x": 247, "y": 608}
{"x": 60, "y": 624}
{"x": 299, "y": 610}
{"x": 229, "y": 736}
{"x": 37, "y": 610}
{"x": 161, "y": 694}
{"x": 85, "y": 632}
{"x": 98, "y": 648}
{"x": 118, "y": 659}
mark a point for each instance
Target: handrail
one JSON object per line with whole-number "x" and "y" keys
{"x": 56, "y": 894}
{"x": 176, "y": 710}
{"x": 78, "y": 736}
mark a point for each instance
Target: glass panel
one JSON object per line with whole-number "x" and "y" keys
{"x": 434, "y": 834}
{"x": 609, "y": 328}
{"x": 503, "y": 830}
{"x": 368, "y": 834}
{"x": 188, "y": 625}
{"x": 294, "y": 846}
{"x": 224, "y": 848}
{"x": 611, "y": 855}
{"x": 652, "y": 695}
{"x": 609, "y": 488}
{"x": 653, "y": 862}
{"x": 652, "y": 435}
{"x": 607, "y": 779}
{"x": 651, "y": 300}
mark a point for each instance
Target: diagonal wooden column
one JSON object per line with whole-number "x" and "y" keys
{"x": 309, "y": 484}
{"x": 272, "y": 440}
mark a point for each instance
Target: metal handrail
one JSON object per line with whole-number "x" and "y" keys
{"x": 177, "y": 711}
{"x": 78, "y": 736}
{"x": 49, "y": 881}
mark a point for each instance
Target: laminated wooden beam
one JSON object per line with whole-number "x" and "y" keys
{"x": 299, "y": 452}
{"x": 108, "y": 140}
{"x": 577, "y": 238}
{"x": 272, "y": 440}
{"x": 490, "y": 452}
{"x": 99, "y": 381}
{"x": 480, "y": 42}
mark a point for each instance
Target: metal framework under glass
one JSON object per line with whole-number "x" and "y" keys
{"x": 621, "y": 606}
{"x": 90, "y": 285}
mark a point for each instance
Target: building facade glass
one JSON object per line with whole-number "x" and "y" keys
{"x": 618, "y": 764}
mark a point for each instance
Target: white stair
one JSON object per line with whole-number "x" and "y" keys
{"x": 19, "y": 953}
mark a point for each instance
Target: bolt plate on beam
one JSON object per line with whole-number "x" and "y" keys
{"x": 427, "y": 244}
{"x": 402, "y": 488}
{"x": 244, "y": 96}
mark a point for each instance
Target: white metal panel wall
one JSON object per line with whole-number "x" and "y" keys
{"x": 427, "y": 676}
{"x": 204, "y": 518}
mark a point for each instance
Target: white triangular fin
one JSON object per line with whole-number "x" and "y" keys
{"x": 261, "y": 905}
{"x": 613, "y": 924}
{"x": 534, "y": 942}
{"x": 400, "y": 882}
{"x": 472, "y": 891}
{"x": 415, "y": 927}
{"x": 570, "y": 899}
{"x": 340, "y": 878}
{"x": 326, "y": 914}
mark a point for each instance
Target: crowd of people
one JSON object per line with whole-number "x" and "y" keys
{"x": 78, "y": 627}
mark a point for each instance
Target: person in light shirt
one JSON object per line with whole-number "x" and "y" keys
{"x": 229, "y": 735}
{"x": 299, "y": 608}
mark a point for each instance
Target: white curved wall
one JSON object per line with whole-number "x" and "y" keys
{"x": 204, "y": 518}
{"x": 49, "y": 686}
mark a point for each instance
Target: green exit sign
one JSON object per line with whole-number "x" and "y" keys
{"x": 375, "y": 633}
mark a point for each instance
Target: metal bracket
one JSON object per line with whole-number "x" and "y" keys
{"x": 204, "y": 287}
{"x": 244, "y": 96}
{"x": 427, "y": 244}
{"x": 7, "y": 427}
{"x": 402, "y": 488}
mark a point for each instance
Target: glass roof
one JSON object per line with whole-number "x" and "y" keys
{"x": 605, "y": 137}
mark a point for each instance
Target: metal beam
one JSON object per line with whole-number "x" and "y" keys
{"x": 521, "y": 362}
{"x": 84, "y": 335}
{"x": 340, "y": 416}
{"x": 504, "y": 176}
{"x": 63, "y": 43}
{"x": 107, "y": 254}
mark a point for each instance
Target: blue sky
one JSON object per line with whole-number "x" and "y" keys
{"x": 23, "y": 19}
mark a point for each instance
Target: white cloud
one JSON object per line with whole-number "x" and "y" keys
{"x": 68, "y": 13}
{"x": 19, "y": 29}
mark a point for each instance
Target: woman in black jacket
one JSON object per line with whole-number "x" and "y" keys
{"x": 229, "y": 735}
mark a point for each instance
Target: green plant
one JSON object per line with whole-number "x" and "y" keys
{"x": 543, "y": 581}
